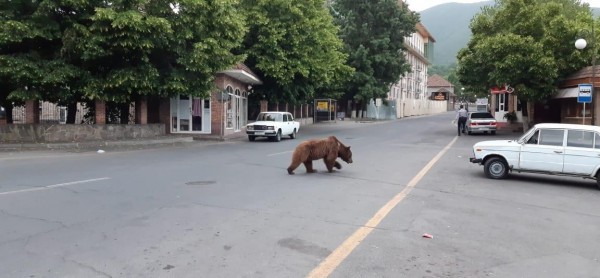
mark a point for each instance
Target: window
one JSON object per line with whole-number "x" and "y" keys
{"x": 534, "y": 138}
{"x": 285, "y": 118}
{"x": 580, "y": 139}
{"x": 552, "y": 137}
{"x": 482, "y": 115}
{"x": 597, "y": 141}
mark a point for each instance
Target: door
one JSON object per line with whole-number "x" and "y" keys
{"x": 501, "y": 106}
{"x": 190, "y": 114}
{"x": 543, "y": 151}
{"x": 184, "y": 113}
{"x": 582, "y": 153}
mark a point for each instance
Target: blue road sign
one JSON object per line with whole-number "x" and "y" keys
{"x": 585, "y": 93}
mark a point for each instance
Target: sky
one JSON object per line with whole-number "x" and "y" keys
{"x": 419, "y": 5}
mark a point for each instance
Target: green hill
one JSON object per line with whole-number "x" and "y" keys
{"x": 449, "y": 25}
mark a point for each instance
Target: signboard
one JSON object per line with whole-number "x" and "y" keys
{"x": 439, "y": 96}
{"x": 585, "y": 93}
{"x": 322, "y": 105}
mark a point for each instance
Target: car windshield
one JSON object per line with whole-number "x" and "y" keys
{"x": 269, "y": 117}
{"x": 482, "y": 115}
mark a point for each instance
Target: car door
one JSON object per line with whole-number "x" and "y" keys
{"x": 582, "y": 155}
{"x": 543, "y": 151}
{"x": 286, "y": 125}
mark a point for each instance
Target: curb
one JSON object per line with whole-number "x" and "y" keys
{"x": 93, "y": 144}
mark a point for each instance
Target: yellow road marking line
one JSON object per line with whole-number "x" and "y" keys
{"x": 327, "y": 266}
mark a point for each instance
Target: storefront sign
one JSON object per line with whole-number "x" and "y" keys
{"x": 439, "y": 96}
{"x": 322, "y": 105}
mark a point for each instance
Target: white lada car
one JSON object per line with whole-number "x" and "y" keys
{"x": 273, "y": 125}
{"x": 553, "y": 149}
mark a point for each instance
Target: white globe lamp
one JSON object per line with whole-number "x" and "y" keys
{"x": 580, "y": 44}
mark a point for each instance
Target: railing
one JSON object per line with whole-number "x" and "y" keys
{"x": 51, "y": 113}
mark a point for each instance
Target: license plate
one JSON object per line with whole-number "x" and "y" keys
{"x": 259, "y": 133}
{"x": 483, "y": 128}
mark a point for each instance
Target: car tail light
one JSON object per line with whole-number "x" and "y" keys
{"x": 493, "y": 123}
{"x": 473, "y": 124}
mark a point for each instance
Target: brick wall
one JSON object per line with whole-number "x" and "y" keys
{"x": 32, "y": 112}
{"x": 163, "y": 113}
{"x": 141, "y": 111}
{"x": 100, "y": 112}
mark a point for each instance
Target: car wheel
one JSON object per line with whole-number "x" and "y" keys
{"x": 293, "y": 135}
{"x": 277, "y": 137}
{"x": 251, "y": 138}
{"x": 495, "y": 168}
{"x": 469, "y": 132}
{"x": 598, "y": 179}
{"x": 493, "y": 132}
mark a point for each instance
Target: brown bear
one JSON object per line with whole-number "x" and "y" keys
{"x": 329, "y": 149}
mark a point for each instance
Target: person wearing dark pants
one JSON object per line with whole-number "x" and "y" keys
{"x": 461, "y": 117}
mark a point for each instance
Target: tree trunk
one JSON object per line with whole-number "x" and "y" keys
{"x": 530, "y": 121}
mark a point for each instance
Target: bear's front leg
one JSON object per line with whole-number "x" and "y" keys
{"x": 330, "y": 164}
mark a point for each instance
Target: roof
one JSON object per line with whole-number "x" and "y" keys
{"x": 569, "y": 126}
{"x": 424, "y": 32}
{"x": 242, "y": 73}
{"x": 438, "y": 81}
{"x": 584, "y": 73}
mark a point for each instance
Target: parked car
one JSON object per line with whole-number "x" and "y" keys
{"x": 553, "y": 149}
{"x": 481, "y": 122}
{"x": 273, "y": 125}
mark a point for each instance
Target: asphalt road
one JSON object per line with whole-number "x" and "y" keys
{"x": 231, "y": 210}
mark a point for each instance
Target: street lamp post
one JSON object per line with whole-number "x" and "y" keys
{"x": 581, "y": 44}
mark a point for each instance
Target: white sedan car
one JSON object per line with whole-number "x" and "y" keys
{"x": 553, "y": 149}
{"x": 273, "y": 125}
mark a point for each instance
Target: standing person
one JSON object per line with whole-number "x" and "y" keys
{"x": 461, "y": 118}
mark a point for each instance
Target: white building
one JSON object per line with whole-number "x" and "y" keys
{"x": 409, "y": 94}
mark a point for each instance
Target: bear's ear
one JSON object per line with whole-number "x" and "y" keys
{"x": 348, "y": 147}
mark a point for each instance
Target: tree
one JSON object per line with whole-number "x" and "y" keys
{"x": 525, "y": 43}
{"x": 294, "y": 48}
{"x": 373, "y": 32}
{"x": 116, "y": 50}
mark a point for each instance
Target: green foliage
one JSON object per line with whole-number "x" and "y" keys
{"x": 293, "y": 46}
{"x": 74, "y": 50}
{"x": 525, "y": 43}
{"x": 373, "y": 32}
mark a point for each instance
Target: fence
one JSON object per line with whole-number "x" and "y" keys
{"x": 51, "y": 113}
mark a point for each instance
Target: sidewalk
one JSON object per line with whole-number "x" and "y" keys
{"x": 162, "y": 141}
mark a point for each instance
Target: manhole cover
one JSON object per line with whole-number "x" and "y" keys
{"x": 200, "y": 182}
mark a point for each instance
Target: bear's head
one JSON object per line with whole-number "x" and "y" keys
{"x": 345, "y": 153}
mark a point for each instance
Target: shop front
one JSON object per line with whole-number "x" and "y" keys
{"x": 223, "y": 114}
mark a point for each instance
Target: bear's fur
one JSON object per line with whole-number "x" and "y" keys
{"x": 328, "y": 149}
